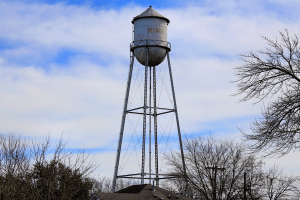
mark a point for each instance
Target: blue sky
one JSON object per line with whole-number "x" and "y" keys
{"x": 115, "y": 4}
{"x": 64, "y": 65}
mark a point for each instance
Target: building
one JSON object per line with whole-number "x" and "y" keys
{"x": 139, "y": 192}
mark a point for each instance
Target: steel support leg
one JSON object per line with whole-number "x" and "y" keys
{"x": 155, "y": 126}
{"x": 144, "y": 117}
{"x": 177, "y": 121}
{"x": 123, "y": 124}
{"x": 150, "y": 126}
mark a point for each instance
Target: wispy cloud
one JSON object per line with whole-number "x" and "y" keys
{"x": 63, "y": 67}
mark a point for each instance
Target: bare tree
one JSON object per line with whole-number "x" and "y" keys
{"x": 14, "y": 165}
{"x": 215, "y": 168}
{"x": 278, "y": 186}
{"x": 265, "y": 73}
{"x": 33, "y": 169}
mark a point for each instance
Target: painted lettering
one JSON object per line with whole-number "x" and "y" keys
{"x": 156, "y": 30}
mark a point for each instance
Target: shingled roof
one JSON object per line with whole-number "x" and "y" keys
{"x": 140, "y": 192}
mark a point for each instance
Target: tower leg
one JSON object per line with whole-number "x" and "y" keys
{"x": 177, "y": 121}
{"x": 123, "y": 124}
{"x": 155, "y": 126}
{"x": 144, "y": 117}
{"x": 150, "y": 126}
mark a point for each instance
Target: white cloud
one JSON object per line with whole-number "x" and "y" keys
{"x": 34, "y": 102}
{"x": 84, "y": 99}
{"x": 51, "y": 27}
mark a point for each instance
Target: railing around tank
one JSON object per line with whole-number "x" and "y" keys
{"x": 150, "y": 43}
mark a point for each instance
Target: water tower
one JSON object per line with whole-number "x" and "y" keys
{"x": 150, "y": 47}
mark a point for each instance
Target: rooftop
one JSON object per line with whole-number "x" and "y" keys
{"x": 140, "y": 192}
{"x": 150, "y": 12}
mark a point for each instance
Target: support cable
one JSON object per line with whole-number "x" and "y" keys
{"x": 164, "y": 84}
{"x": 164, "y": 130}
{"x": 134, "y": 144}
{"x": 160, "y": 77}
{"x": 138, "y": 76}
{"x": 167, "y": 142}
{"x": 163, "y": 137}
{"x": 133, "y": 85}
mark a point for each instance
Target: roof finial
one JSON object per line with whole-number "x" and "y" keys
{"x": 150, "y": 6}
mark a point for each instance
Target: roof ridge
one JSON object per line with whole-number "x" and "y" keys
{"x": 143, "y": 188}
{"x": 137, "y": 189}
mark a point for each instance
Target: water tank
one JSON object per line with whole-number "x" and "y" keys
{"x": 150, "y": 31}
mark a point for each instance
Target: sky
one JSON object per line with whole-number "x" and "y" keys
{"x": 64, "y": 67}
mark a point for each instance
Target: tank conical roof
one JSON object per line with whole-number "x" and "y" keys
{"x": 150, "y": 12}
